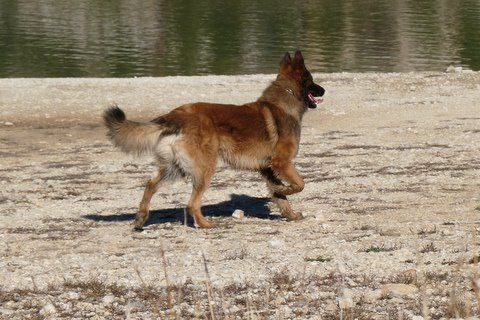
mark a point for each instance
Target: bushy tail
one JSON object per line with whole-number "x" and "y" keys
{"x": 130, "y": 136}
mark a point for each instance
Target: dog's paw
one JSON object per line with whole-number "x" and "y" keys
{"x": 294, "y": 216}
{"x": 137, "y": 229}
{"x": 205, "y": 224}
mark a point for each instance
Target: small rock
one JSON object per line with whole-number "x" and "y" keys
{"x": 398, "y": 290}
{"x": 341, "y": 267}
{"x": 345, "y": 303}
{"x": 279, "y": 300}
{"x": 331, "y": 307}
{"x": 276, "y": 243}
{"x": 350, "y": 282}
{"x": 234, "y": 309}
{"x": 48, "y": 309}
{"x": 73, "y": 295}
{"x": 238, "y": 214}
{"x": 320, "y": 217}
{"x": 135, "y": 305}
{"x": 286, "y": 312}
{"x": 109, "y": 299}
{"x": 85, "y": 306}
{"x": 372, "y": 295}
{"x": 8, "y": 123}
{"x": 453, "y": 69}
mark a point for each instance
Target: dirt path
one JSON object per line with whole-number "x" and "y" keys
{"x": 391, "y": 163}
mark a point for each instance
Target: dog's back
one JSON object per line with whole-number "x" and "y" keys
{"x": 243, "y": 136}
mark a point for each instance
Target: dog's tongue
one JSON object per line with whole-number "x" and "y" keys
{"x": 315, "y": 100}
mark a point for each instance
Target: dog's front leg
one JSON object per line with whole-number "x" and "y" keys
{"x": 285, "y": 170}
{"x": 279, "y": 199}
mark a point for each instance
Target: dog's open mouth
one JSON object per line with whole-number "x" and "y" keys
{"x": 315, "y": 100}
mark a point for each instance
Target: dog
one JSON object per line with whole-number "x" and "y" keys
{"x": 262, "y": 136}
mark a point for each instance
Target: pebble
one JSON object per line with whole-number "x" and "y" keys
{"x": 287, "y": 312}
{"x": 320, "y": 217}
{"x": 345, "y": 303}
{"x": 8, "y": 123}
{"x": 48, "y": 309}
{"x": 453, "y": 69}
{"x": 109, "y": 299}
{"x": 234, "y": 309}
{"x": 372, "y": 295}
{"x": 238, "y": 214}
{"x": 73, "y": 295}
{"x": 331, "y": 307}
{"x": 135, "y": 305}
{"x": 276, "y": 243}
{"x": 398, "y": 290}
{"x": 85, "y": 306}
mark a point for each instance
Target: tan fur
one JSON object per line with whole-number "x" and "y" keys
{"x": 263, "y": 136}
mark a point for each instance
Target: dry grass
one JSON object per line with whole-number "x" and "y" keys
{"x": 318, "y": 259}
{"x": 381, "y": 248}
{"x": 430, "y": 247}
{"x": 298, "y": 292}
{"x": 94, "y": 288}
{"x": 240, "y": 254}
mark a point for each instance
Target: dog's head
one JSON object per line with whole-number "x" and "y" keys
{"x": 295, "y": 72}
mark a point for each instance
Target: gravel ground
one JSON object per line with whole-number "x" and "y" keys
{"x": 391, "y": 205}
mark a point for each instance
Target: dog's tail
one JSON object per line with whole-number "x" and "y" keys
{"x": 131, "y": 137}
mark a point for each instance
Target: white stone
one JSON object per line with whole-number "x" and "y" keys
{"x": 320, "y": 217}
{"x": 331, "y": 307}
{"x": 453, "y": 69}
{"x": 109, "y": 299}
{"x": 73, "y": 295}
{"x": 287, "y": 312}
{"x": 398, "y": 290}
{"x": 276, "y": 243}
{"x": 238, "y": 214}
{"x": 8, "y": 123}
{"x": 48, "y": 309}
{"x": 372, "y": 295}
{"x": 345, "y": 303}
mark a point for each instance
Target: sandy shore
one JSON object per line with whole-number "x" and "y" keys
{"x": 391, "y": 203}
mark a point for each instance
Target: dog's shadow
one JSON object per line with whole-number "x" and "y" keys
{"x": 253, "y": 207}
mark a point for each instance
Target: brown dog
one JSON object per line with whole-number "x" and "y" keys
{"x": 263, "y": 136}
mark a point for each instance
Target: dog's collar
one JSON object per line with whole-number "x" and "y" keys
{"x": 286, "y": 89}
{"x": 290, "y": 91}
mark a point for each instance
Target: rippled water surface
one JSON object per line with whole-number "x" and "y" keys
{"x": 124, "y": 38}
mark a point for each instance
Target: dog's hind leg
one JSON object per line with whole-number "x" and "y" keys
{"x": 200, "y": 183}
{"x": 279, "y": 199}
{"x": 150, "y": 189}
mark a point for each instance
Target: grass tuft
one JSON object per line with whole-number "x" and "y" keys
{"x": 429, "y": 248}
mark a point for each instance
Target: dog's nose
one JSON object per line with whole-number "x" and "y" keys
{"x": 322, "y": 91}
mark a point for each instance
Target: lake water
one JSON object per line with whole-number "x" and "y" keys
{"x": 125, "y": 38}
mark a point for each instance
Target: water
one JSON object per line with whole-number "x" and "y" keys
{"x": 125, "y": 38}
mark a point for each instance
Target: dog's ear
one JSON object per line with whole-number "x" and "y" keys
{"x": 298, "y": 58}
{"x": 287, "y": 60}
